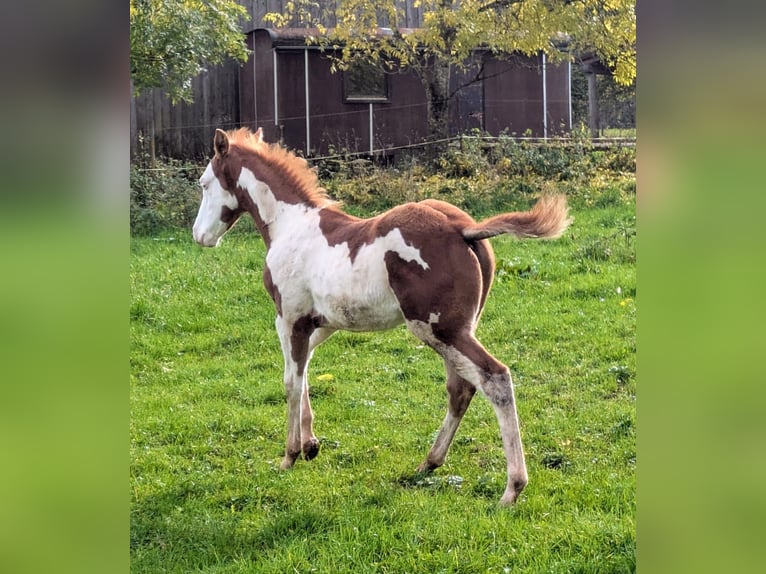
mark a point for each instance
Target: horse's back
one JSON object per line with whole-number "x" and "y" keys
{"x": 406, "y": 263}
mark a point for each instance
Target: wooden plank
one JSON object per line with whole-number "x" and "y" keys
{"x": 133, "y": 125}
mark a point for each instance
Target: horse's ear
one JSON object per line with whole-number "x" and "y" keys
{"x": 220, "y": 143}
{"x": 258, "y": 135}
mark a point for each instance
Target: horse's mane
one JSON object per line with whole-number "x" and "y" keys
{"x": 292, "y": 171}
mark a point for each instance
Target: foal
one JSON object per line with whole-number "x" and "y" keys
{"x": 426, "y": 264}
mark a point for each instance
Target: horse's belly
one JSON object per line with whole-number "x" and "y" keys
{"x": 368, "y": 309}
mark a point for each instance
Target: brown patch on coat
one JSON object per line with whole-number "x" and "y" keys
{"x": 450, "y": 287}
{"x": 339, "y": 227}
{"x": 272, "y": 289}
{"x": 481, "y": 247}
{"x": 302, "y": 329}
{"x": 230, "y": 216}
{"x": 299, "y": 341}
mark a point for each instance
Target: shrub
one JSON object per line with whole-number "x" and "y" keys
{"x": 164, "y": 196}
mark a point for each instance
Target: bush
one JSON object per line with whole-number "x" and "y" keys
{"x": 164, "y": 196}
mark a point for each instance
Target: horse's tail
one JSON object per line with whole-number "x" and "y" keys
{"x": 548, "y": 219}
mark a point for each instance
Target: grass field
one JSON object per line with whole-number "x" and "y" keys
{"x": 208, "y": 420}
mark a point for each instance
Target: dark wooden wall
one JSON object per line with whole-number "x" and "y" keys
{"x": 513, "y": 97}
{"x": 334, "y": 124}
{"x": 494, "y": 94}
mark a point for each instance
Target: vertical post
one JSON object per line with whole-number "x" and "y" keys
{"x": 206, "y": 121}
{"x": 276, "y": 91}
{"x": 545, "y": 101}
{"x": 569, "y": 92}
{"x": 255, "y": 91}
{"x": 157, "y": 125}
{"x": 178, "y": 140}
{"x": 593, "y": 119}
{"x": 133, "y": 124}
{"x": 308, "y": 120}
{"x": 371, "y": 134}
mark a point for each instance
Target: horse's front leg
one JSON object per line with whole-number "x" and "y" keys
{"x": 298, "y": 340}
{"x": 295, "y": 351}
{"x": 309, "y": 442}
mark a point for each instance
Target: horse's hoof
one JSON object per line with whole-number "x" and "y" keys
{"x": 310, "y": 449}
{"x": 511, "y": 495}
{"x": 426, "y": 468}
{"x": 508, "y": 498}
{"x": 289, "y": 461}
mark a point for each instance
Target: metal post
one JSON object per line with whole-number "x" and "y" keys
{"x": 255, "y": 93}
{"x": 545, "y": 101}
{"x": 593, "y": 119}
{"x": 276, "y": 97}
{"x": 569, "y": 92}
{"x": 371, "y": 134}
{"x": 306, "y": 79}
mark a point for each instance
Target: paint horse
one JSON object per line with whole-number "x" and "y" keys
{"x": 427, "y": 264}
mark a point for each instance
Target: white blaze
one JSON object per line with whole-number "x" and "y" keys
{"x": 208, "y": 227}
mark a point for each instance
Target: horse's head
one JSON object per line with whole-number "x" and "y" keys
{"x": 220, "y": 208}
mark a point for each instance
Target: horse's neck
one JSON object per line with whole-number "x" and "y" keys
{"x": 276, "y": 218}
{"x": 289, "y": 217}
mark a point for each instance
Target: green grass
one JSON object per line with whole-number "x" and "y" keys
{"x": 208, "y": 420}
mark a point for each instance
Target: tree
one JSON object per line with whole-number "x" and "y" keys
{"x": 453, "y": 29}
{"x": 172, "y": 41}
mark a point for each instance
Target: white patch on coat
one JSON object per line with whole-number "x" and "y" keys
{"x": 208, "y": 227}
{"x": 313, "y": 276}
{"x": 357, "y": 295}
{"x": 260, "y": 194}
{"x": 407, "y": 252}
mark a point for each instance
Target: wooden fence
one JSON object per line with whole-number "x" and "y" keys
{"x": 159, "y": 128}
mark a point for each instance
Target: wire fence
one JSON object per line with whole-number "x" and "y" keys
{"x": 561, "y": 141}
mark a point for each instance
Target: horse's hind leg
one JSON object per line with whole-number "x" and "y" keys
{"x": 474, "y": 363}
{"x": 498, "y": 388}
{"x": 471, "y": 363}
{"x": 460, "y": 394}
